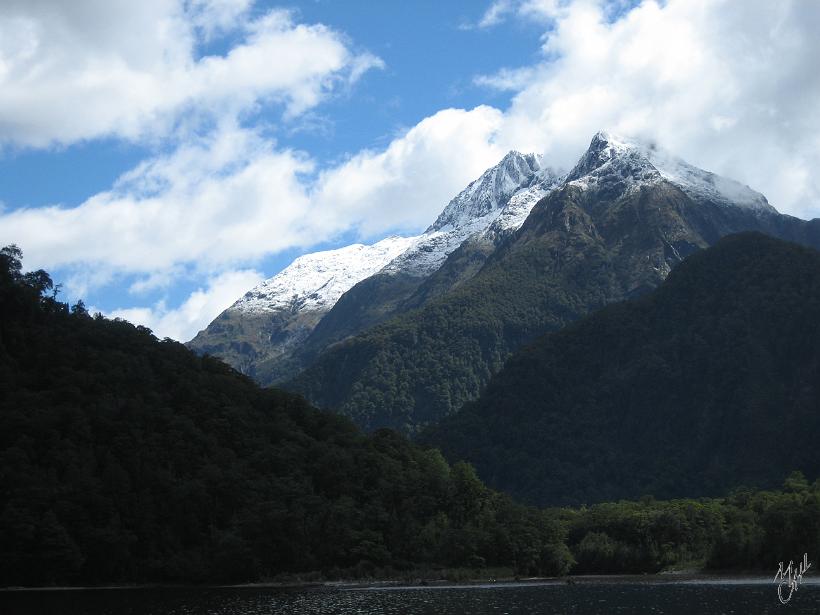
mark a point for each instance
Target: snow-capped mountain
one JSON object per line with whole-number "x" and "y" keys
{"x": 314, "y": 282}
{"x": 614, "y": 161}
{"x": 498, "y": 201}
{"x": 286, "y": 313}
{"x": 613, "y": 229}
{"x": 272, "y": 320}
{"x": 489, "y": 193}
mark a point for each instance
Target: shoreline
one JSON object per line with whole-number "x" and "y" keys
{"x": 661, "y": 578}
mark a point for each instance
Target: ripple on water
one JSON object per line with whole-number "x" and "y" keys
{"x": 669, "y": 598}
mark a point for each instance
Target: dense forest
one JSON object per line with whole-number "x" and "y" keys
{"x": 124, "y": 458}
{"x": 127, "y": 458}
{"x": 745, "y": 531}
{"x": 709, "y": 382}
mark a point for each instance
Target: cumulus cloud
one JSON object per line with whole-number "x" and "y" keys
{"x": 730, "y": 87}
{"x": 185, "y": 321}
{"x": 224, "y": 198}
{"x": 410, "y": 182}
{"x": 232, "y": 197}
{"x": 71, "y": 71}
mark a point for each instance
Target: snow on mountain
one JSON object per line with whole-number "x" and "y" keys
{"x": 262, "y": 329}
{"x": 495, "y": 204}
{"x": 489, "y": 193}
{"x": 512, "y": 216}
{"x": 613, "y": 161}
{"x": 272, "y": 319}
{"x": 498, "y": 201}
{"x": 316, "y": 281}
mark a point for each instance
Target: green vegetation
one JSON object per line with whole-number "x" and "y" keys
{"x": 748, "y": 530}
{"x": 422, "y": 365}
{"x": 126, "y": 458}
{"x": 578, "y": 251}
{"x": 711, "y": 381}
{"x": 368, "y": 303}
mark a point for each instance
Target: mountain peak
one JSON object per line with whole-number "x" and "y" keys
{"x": 616, "y": 163}
{"x": 476, "y": 210}
{"x": 513, "y": 155}
{"x": 603, "y": 139}
{"x": 489, "y": 192}
{"x": 607, "y": 149}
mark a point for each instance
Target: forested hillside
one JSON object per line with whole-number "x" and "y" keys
{"x": 127, "y": 458}
{"x": 709, "y": 382}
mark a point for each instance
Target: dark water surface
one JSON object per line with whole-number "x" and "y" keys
{"x": 746, "y": 597}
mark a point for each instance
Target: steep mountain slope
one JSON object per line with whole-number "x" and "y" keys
{"x": 708, "y": 382}
{"x": 490, "y": 208}
{"x": 613, "y": 229}
{"x": 473, "y": 211}
{"x": 127, "y": 459}
{"x": 471, "y": 226}
{"x": 272, "y": 319}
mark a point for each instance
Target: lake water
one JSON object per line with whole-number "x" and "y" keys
{"x": 719, "y": 597}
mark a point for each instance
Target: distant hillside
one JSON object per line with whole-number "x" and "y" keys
{"x": 711, "y": 381}
{"x": 128, "y": 459}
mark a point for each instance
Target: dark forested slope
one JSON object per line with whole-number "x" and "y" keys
{"x": 126, "y": 458}
{"x": 711, "y": 381}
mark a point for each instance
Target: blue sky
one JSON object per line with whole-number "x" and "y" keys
{"x": 430, "y": 62}
{"x": 159, "y": 158}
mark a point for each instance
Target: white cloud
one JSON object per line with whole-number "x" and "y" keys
{"x": 213, "y": 17}
{"x": 408, "y": 184}
{"x": 185, "y": 321}
{"x": 544, "y": 10}
{"x": 507, "y": 79}
{"x": 731, "y": 87}
{"x": 71, "y": 71}
{"x": 227, "y": 197}
{"x": 232, "y": 197}
{"x": 496, "y": 13}
{"x": 500, "y": 11}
